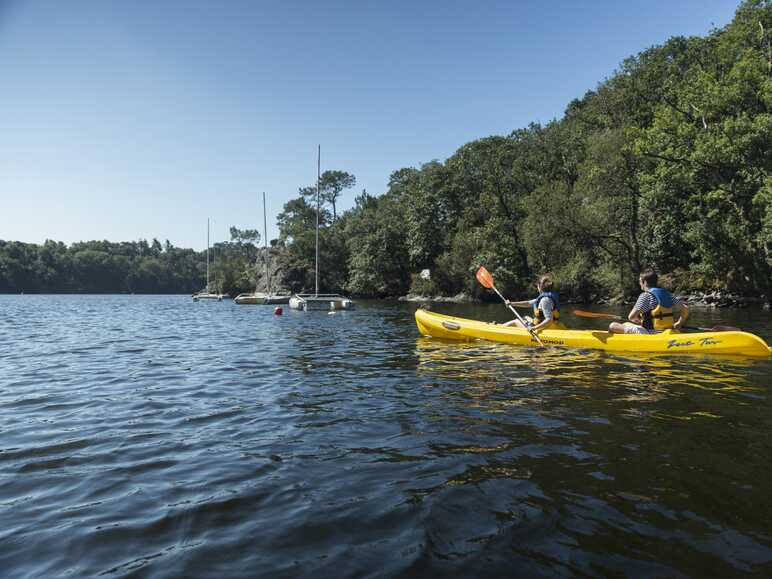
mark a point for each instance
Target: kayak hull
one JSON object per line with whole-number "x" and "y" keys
{"x": 667, "y": 342}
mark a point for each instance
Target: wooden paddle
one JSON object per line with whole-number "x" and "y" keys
{"x": 486, "y": 280}
{"x": 584, "y": 314}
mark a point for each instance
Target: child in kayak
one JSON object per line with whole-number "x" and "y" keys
{"x": 546, "y": 307}
{"x": 653, "y": 311}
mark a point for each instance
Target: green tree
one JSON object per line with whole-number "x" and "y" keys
{"x": 331, "y": 185}
{"x": 374, "y": 234}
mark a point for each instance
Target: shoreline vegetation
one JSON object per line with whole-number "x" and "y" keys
{"x": 715, "y": 299}
{"x": 667, "y": 163}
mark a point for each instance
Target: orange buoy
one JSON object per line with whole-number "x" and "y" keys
{"x": 277, "y": 311}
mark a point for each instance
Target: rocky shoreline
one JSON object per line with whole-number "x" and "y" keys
{"x": 461, "y": 298}
{"x": 715, "y": 299}
{"x": 723, "y": 299}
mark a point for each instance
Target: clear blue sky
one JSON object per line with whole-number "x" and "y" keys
{"x": 123, "y": 120}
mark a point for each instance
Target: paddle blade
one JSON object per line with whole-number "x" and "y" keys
{"x": 725, "y": 329}
{"x": 484, "y": 277}
{"x": 584, "y": 314}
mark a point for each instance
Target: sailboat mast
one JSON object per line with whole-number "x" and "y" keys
{"x": 265, "y": 234}
{"x": 318, "y": 174}
{"x": 207, "y": 255}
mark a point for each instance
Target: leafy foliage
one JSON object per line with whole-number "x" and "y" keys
{"x": 100, "y": 266}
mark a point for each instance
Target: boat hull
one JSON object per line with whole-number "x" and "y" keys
{"x": 307, "y": 302}
{"x": 667, "y": 342}
{"x": 271, "y": 299}
{"x": 253, "y": 298}
{"x": 247, "y": 300}
{"x": 207, "y": 296}
{"x": 261, "y": 299}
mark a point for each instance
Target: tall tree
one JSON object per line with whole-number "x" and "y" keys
{"x": 331, "y": 185}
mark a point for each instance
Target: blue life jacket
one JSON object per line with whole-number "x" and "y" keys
{"x": 661, "y": 317}
{"x": 554, "y": 298}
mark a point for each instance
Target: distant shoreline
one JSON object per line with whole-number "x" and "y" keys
{"x": 74, "y": 293}
{"x": 700, "y": 300}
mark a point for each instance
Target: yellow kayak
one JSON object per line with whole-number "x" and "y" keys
{"x": 667, "y": 342}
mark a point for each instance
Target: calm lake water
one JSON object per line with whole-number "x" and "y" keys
{"x": 151, "y": 436}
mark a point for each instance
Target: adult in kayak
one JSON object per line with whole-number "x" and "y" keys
{"x": 653, "y": 310}
{"x": 546, "y": 307}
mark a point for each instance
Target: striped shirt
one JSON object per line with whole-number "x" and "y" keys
{"x": 647, "y": 302}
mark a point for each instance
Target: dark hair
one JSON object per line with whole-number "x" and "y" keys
{"x": 545, "y": 283}
{"x": 649, "y": 276}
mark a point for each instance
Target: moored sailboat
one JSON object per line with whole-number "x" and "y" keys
{"x": 206, "y": 293}
{"x": 257, "y": 297}
{"x": 317, "y": 301}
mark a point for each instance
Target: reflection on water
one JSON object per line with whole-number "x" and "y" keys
{"x": 625, "y": 448}
{"x": 502, "y": 365}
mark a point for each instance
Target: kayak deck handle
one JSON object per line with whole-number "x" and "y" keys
{"x": 451, "y": 326}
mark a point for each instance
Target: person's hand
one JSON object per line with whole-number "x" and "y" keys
{"x": 508, "y": 302}
{"x": 677, "y": 325}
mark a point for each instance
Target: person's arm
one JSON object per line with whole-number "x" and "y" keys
{"x": 523, "y": 304}
{"x": 684, "y": 311}
{"x": 641, "y": 305}
{"x": 544, "y": 322}
{"x": 546, "y": 309}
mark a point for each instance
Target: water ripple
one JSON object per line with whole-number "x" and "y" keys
{"x": 154, "y": 436}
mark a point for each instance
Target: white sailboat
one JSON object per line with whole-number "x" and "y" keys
{"x": 317, "y": 301}
{"x": 250, "y": 298}
{"x": 257, "y": 297}
{"x": 206, "y": 293}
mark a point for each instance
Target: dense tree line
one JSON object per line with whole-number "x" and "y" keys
{"x": 97, "y": 266}
{"x": 128, "y": 267}
{"x": 668, "y": 163}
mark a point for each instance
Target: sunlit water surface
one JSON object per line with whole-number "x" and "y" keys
{"x": 156, "y": 437}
